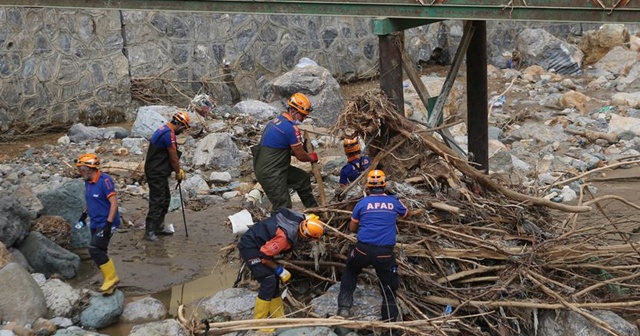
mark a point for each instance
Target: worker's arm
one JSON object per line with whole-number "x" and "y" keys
{"x": 301, "y": 155}
{"x": 273, "y": 248}
{"x": 113, "y": 207}
{"x": 174, "y": 159}
{"x": 354, "y": 225}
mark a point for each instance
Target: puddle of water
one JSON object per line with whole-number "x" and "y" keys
{"x": 222, "y": 277}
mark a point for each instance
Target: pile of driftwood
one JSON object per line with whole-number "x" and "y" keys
{"x": 492, "y": 253}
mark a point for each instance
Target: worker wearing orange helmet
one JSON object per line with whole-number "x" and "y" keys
{"x": 374, "y": 219}
{"x": 265, "y": 241}
{"x": 356, "y": 161}
{"x": 102, "y": 207}
{"x": 163, "y": 157}
{"x": 272, "y": 157}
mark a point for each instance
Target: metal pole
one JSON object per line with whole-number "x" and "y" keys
{"x": 477, "y": 109}
{"x": 184, "y": 218}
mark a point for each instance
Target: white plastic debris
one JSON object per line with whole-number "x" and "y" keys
{"x": 241, "y": 221}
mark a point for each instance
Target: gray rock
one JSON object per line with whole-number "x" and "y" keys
{"x": 317, "y": 83}
{"x": 366, "y": 302}
{"x": 169, "y": 327}
{"x": 18, "y": 258}
{"x": 149, "y": 118}
{"x": 48, "y": 258}
{"x": 220, "y": 177}
{"x": 103, "y": 311}
{"x": 495, "y": 133}
{"x": 560, "y": 323}
{"x": 259, "y": 110}
{"x": 216, "y": 151}
{"x": 67, "y": 200}
{"x": 541, "y": 48}
{"x": 62, "y": 322}
{"x": 117, "y": 131}
{"x": 81, "y": 133}
{"x": 15, "y": 221}
{"x": 21, "y": 299}
{"x": 76, "y": 331}
{"x": 144, "y": 310}
{"x": 235, "y": 302}
{"x": 61, "y": 298}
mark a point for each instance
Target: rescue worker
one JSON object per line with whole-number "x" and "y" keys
{"x": 102, "y": 207}
{"x": 374, "y": 219}
{"x": 272, "y": 157}
{"x": 267, "y": 240}
{"x": 163, "y": 157}
{"x": 356, "y": 162}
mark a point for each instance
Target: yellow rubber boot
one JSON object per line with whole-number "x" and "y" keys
{"x": 261, "y": 311}
{"x": 276, "y": 309}
{"x": 111, "y": 279}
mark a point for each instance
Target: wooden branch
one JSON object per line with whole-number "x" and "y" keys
{"x": 317, "y": 171}
{"x": 594, "y": 135}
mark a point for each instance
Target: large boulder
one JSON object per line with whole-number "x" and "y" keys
{"x": 169, "y": 327}
{"x": 144, "y": 310}
{"x": 67, "y": 201}
{"x": 21, "y": 299}
{"x": 366, "y": 302}
{"x": 259, "y": 110}
{"x": 234, "y": 302}
{"x": 149, "y": 118}
{"x": 560, "y": 323}
{"x": 317, "y": 83}
{"x": 103, "y": 311}
{"x": 539, "y": 47}
{"x": 596, "y": 43}
{"x": 48, "y": 258}
{"x": 216, "y": 151}
{"x": 15, "y": 221}
{"x": 62, "y": 299}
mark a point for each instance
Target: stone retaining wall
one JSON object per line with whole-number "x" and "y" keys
{"x": 60, "y": 66}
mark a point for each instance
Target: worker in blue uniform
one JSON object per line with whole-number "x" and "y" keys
{"x": 374, "y": 219}
{"x": 357, "y": 162}
{"x": 272, "y": 157}
{"x": 102, "y": 208}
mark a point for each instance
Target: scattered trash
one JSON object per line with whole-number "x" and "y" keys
{"x": 497, "y": 101}
{"x": 241, "y": 221}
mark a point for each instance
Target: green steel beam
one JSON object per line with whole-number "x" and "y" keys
{"x": 388, "y": 26}
{"x": 520, "y": 10}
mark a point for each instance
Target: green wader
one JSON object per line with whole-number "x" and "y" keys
{"x": 275, "y": 173}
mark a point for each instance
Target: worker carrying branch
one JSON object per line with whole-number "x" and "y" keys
{"x": 272, "y": 157}
{"x": 267, "y": 240}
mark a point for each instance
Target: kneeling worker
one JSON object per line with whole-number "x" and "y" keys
{"x": 264, "y": 241}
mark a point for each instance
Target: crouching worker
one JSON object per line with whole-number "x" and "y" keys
{"x": 264, "y": 241}
{"x": 102, "y": 208}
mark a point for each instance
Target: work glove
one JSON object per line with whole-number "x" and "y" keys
{"x": 284, "y": 275}
{"x": 180, "y": 175}
{"x": 314, "y": 157}
{"x": 83, "y": 218}
{"x": 106, "y": 232}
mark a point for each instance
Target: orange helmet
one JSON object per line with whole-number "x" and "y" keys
{"x": 351, "y": 146}
{"x": 300, "y": 102}
{"x": 376, "y": 179}
{"x": 181, "y": 117}
{"x": 312, "y": 227}
{"x": 89, "y": 160}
